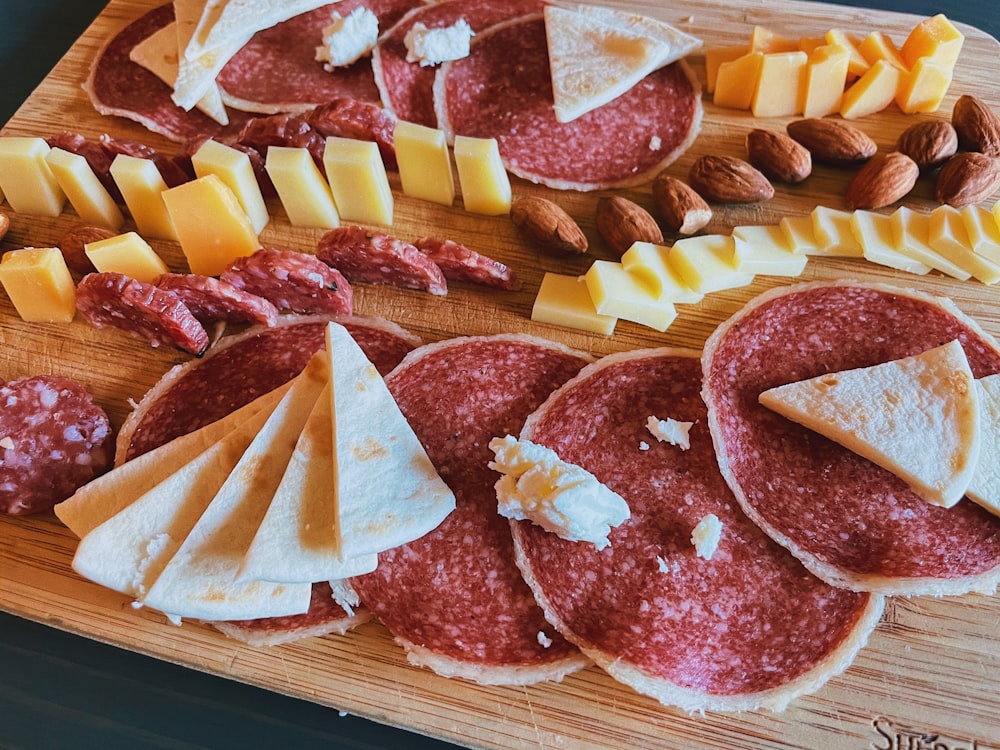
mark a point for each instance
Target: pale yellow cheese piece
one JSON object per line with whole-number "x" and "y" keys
{"x": 911, "y": 235}
{"x": 984, "y": 489}
{"x": 924, "y": 88}
{"x": 648, "y": 263}
{"x": 948, "y": 236}
{"x": 825, "y": 78}
{"x": 935, "y": 38}
{"x": 615, "y": 292}
{"x": 126, "y": 253}
{"x": 768, "y": 41}
{"x": 809, "y": 44}
{"x": 142, "y": 187}
{"x": 565, "y": 301}
{"x": 872, "y": 92}
{"x": 358, "y": 181}
{"x": 26, "y": 179}
{"x": 305, "y": 195}
{"x": 984, "y": 231}
{"x": 874, "y": 232}
{"x": 801, "y": 234}
{"x": 233, "y": 167}
{"x": 858, "y": 65}
{"x": 834, "y": 234}
{"x": 708, "y": 263}
{"x": 879, "y": 46}
{"x": 39, "y": 284}
{"x": 212, "y": 227}
{"x": 715, "y": 56}
{"x": 736, "y": 81}
{"x": 779, "y": 84}
{"x": 84, "y": 190}
{"x": 424, "y": 163}
{"x": 482, "y": 176}
{"x": 766, "y": 249}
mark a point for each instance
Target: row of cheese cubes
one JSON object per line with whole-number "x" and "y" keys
{"x": 775, "y": 76}
{"x": 651, "y": 280}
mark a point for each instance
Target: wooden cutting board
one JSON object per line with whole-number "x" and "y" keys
{"x": 929, "y": 676}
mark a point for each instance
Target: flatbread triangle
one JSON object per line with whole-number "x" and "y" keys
{"x": 984, "y": 488}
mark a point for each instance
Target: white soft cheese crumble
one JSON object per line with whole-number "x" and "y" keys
{"x": 706, "y": 536}
{"x": 347, "y": 39}
{"x": 433, "y": 46}
{"x": 670, "y": 431}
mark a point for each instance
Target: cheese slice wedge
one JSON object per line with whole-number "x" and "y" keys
{"x": 984, "y": 488}
{"x": 597, "y": 54}
{"x": 917, "y": 417}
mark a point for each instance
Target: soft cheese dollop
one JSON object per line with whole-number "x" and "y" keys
{"x": 706, "y": 536}
{"x": 433, "y": 46}
{"x": 561, "y": 497}
{"x": 347, "y": 39}
{"x": 670, "y": 430}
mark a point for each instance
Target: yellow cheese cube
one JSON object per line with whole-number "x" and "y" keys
{"x": 565, "y": 301}
{"x": 482, "y": 176}
{"x": 358, "y": 181}
{"x": 715, "y": 56}
{"x": 834, "y": 234}
{"x": 879, "y": 46}
{"x": 736, "y": 81}
{"x": 615, "y": 292}
{"x": 808, "y": 44}
{"x": 766, "y": 249}
{"x": 935, "y": 38}
{"x": 779, "y": 85}
{"x": 800, "y": 234}
{"x": 233, "y": 167}
{"x": 26, "y": 179}
{"x": 648, "y": 263}
{"x": 708, "y": 263}
{"x": 948, "y": 236}
{"x": 874, "y": 232}
{"x": 910, "y": 236}
{"x": 39, "y": 284}
{"x": 983, "y": 230}
{"x": 86, "y": 194}
{"x": 126, "y": 253}
{"x": 924, "y": 87}
{"x": 872, "y": 92}
{"x": 424, "y": 163}
{"x": 766, "y": 41}
{"x": 142, "y": 187}
{"x": 825, "y": 78}
{"x": 857, "y": 65}
{"x": 211, "y": 225}
{"x": 305, "y": 195}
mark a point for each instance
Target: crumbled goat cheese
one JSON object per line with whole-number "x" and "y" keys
{"x": 706, "y": 536}
{"x": 670, "y": 431}
{"x": 433, "y": 46}
{"x": 347, "y": 39}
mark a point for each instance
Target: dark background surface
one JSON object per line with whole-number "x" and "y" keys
{"x": 61, "y": 691}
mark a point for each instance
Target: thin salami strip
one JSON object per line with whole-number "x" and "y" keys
{"x": 377, "y": 258}
{"x": 851, "y": 522}
{"x": 361, "y": 121}
{"x": 460, "y": 263}
{"x": 291, "y": 280}
{"x": 454, "y": 598}
{"x": 53, "y": 439}
{"x": 746, "y": 628}
{"x": 503, "y": 90}
{"x": 211, "y": 300}
{"x": 117, "y": 301}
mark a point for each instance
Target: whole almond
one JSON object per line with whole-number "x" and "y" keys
{"x": 4, "y": 225}
{"x": 884, "y": 179}
{"x": 547, "y": 225}
{"x": 679, "y": 205}
{"x": 929, "y": 143}
{"x": 832, "y": 141}
{"x": 978, "y": 126}
{"x": 72, "y": 246}
{"x": 726, "y": 179}
{"x": 966, "y": 178}
{"x": 622, "y": 222}
{"x": 778, "y": 156}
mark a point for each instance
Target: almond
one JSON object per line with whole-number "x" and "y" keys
{"x": 72, "y": 246}
{"x": 778, "y": 156}
{"x": 966, "y": 178}
{"x": 832, "y": 141}
{"x": 884, "y": 179}
{"x": 929, "y": 143}
{"x": 546, "y": 224}
{"x": 726, "y": 179}
{"x": 4, "y": 225}
{"x": 978, "y": 126}
{"x": 679, "y": 205}
{"x": 621, "y": 222}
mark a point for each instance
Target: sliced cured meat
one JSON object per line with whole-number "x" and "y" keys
{"x": 460, "y": 263}
{"x": 53, "y": 439}
{"x": 211, "y": 300}
{"x": 851, "y": 522}
{"x": 242, "y": 367}
{"x": 361, "y": 121}
{"x": 454, "y": 598}
{"x": 277, "y": 71}
{"x": 407, "y": 89}
{"x": 291, "y": 280}
{"x": 377, "y": 258}
{"x": 648, "y": 609}
{"x": 503, "y": 90}
{"x": 140, "y": 309}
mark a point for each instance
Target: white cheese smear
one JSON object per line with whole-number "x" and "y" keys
{"x": 434, "y": 46}
{"x": 347, "y": 39}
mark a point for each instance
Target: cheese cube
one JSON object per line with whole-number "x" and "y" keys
{"x": 766, "y": 41}
{"x": 482, "y": 176}
{"x": 879, "y": 46}
{"x": 872, "y": 92}
{"x": 800, "y": 234}
{"x": 648, "y": 263}
{"x": 983, "y": 230}
{"x": 424, "y": 163}
{"x": 825, "y": 78}
{"x": 767, "y": 250}
{"x": 910, "y": 236}
{"x": 26, "y": 179}
{"x": 857, "y": 65}
{"x": 947, "y": 235}
{"x": 142, "y": 187}
{"x": 39, "y": 284}
{"x": 874, "y": 232}
{"x": 779, "y": 84}
{"x": 565, "y": 301}
{"x": 211, "y": 225}
{"x": 935, "y": 38}
{"x": 358, "y": 181}
{"x": 126, "y": 253}
{"x": 615, "y": 292}
{"x": 305, "y": 195}
{"x": 86, "y": 194}
{"x": 809, "y": 44}
{"x": 233, "y": 167}
{"x": 834, "y": 234}
{"x": 715, "y": 56}
{"x": 708, "y": 263}
{"x": 924, "y": 87}
{"x": 736, "y": 81}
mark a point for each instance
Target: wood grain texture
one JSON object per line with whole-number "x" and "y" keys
{"x": 932, "y": 665}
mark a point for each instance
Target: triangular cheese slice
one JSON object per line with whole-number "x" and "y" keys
{"x": 200, "y": 581}
{"x": 917, "y": 417}
{"x": 984, "y": 488}
{"x": 597, "y": 54}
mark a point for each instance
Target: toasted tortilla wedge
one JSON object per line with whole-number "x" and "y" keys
{"x": 984, "y": 488}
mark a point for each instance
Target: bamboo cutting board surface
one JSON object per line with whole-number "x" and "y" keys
{"x": 930, "y": 672}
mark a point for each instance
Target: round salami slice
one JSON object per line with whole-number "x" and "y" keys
{"x": 242, "y": 367}
{"x": 746, "y": 628}
{"x": 53, "y": 440}
{"x": 503, "y": 90}
{"x": 850, "y": 522}
{"x": 454, "y": 598}
{"x": 277, "y": 71}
